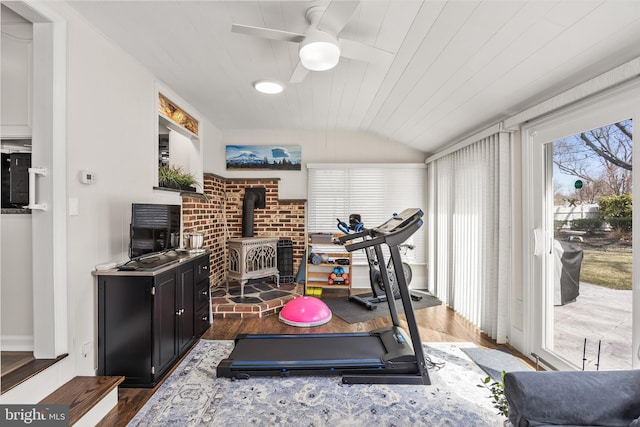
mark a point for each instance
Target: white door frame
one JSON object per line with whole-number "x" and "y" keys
{"x": 620, "y": 103}
{"x": 49, "y": 228}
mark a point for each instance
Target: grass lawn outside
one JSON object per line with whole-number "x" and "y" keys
{"x": 608, "y": 267}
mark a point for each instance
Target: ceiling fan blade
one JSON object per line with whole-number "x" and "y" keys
{"x": 364, "y": 52}
{"x": 298, "y": 74}
{"x": 267, "y": 33}
{"x": 336, "y": 16}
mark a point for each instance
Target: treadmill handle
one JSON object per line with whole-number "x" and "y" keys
{"x": 365, "y": 244}
{"x": 343, "y": 239}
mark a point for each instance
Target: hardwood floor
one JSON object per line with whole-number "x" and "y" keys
{"x": 436, "y": 324}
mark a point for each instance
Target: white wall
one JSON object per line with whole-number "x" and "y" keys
{"x": 16, "y": 278}
{"x": 15, "y": 255}
{"x": 15, "y": 75}
{"x": 317, "y": 147}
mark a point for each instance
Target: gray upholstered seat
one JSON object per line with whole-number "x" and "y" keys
{"x": 576, "y": 398}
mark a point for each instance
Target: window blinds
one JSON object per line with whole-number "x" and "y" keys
{"x": 375, "y": 191}
{"x": 470, "y": 247}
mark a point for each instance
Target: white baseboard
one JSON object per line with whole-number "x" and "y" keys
{"x": 16, "y": 342}
{"x": 100, "y": 410}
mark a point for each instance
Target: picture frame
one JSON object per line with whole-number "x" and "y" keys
{"x": 264, "y": 157}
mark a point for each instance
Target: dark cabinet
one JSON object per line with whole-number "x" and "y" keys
{"x": 202, "y": 296}
{"x": 184, "y": 314}
{"x": 164, "y": 327}
{"x": 148, "y": 320}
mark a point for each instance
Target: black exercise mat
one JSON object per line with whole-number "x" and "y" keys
{"x": 352, "y": 312}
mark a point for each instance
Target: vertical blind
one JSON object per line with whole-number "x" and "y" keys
{"x": 375, "y": 191}
{"x": 469, "y": 208}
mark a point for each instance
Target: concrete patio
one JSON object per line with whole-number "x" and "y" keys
{"x": 598, "y": 314}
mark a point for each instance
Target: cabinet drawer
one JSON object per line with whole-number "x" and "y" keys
{"x": 202, "y": 269}
{"x": 201, "y": 321}
{"x": 202, "y": 294}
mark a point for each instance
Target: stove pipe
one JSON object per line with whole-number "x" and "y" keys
{"x": 254, "y": 198}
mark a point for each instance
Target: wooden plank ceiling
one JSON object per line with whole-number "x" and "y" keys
{"x": 458, "y": 66}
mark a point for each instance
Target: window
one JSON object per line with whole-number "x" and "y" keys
{"x": 375, "y": 191}
{"x": 568, "y": 265}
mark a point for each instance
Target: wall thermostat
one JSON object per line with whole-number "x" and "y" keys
{"x": 88, "y": 177}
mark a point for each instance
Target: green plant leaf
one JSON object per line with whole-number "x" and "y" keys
{"x": 173, "y": 176}
{"x": 497, "y": 394}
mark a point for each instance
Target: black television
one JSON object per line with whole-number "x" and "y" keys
{"x": 155, "y": 228}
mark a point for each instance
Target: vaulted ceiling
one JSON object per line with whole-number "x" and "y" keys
{"x": 457, "y": 66}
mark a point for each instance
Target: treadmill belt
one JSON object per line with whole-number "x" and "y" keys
{"x": 363, "y": 350}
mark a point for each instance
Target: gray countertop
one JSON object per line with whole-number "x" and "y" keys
{"x": 153, "y": 265}
{"x": 13, "y": 211}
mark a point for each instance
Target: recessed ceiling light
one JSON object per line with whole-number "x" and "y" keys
{"x": 268, "y": 86}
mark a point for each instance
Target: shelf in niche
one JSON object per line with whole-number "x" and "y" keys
{"x": 182, "y": 192}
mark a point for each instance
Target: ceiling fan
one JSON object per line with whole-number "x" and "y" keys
{"x": 320, "y": 48}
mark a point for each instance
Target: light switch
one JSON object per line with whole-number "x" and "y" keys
{"x": 73, "y": 206}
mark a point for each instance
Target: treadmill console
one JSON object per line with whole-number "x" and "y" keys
{"x": 399, "y": 221}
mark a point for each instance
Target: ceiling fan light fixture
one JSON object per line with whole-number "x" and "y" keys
{"x": 268, "y": 86}
{"x": 319, "y": 55}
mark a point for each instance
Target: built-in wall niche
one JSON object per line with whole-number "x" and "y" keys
{"x": 15, "y": 157}
{"x": 179, "y": 147}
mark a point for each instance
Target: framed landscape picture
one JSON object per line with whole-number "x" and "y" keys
{"x": 276, "y": 157}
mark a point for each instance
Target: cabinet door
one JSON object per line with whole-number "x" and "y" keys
{"x": 164, "y": 320}
{"x": 124, "y": 327}
{"x": 185, "y": 304}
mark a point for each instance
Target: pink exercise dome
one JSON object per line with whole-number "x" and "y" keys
{"x": 305, "y": 312}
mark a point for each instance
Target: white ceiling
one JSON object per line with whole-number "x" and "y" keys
{"x": 459, "y": 66}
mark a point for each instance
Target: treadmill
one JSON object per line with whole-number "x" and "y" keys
{"x": 383, "y": 356}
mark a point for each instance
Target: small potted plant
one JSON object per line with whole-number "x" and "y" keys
{"x": 175, "y": 177}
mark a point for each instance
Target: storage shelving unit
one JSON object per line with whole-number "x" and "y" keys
{"x": 317, "y": 273}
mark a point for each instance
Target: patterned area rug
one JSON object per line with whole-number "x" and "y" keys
{"x": 194, "y": 396}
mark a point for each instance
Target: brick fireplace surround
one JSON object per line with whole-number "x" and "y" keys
{"x": 219, "y": 218}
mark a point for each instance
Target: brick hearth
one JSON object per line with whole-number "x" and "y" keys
{"x": 260, "y": 299}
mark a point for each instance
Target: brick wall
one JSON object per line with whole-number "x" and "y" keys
{"x": 207, "y": 216}
{"x": 279, "y": 218}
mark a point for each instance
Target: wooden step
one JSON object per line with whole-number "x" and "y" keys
{"x": 82, "y": 394}
{"x": 12, "y": 360}
{"x": 23, "y": 373}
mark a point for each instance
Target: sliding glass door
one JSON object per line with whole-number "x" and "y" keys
{"x": 579, "y": 275}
